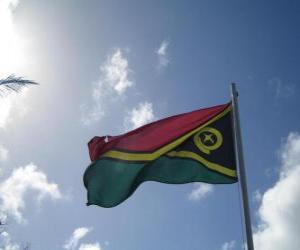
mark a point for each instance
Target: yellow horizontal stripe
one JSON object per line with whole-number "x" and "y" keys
{"x": 130, "y": 156}
{"x": 208, "y": 164}
{"x": 152, "y": 156}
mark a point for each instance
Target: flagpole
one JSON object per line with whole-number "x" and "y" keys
{"x": 241, "y": 166}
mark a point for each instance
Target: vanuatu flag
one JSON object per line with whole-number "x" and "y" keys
{"x": 192, "y": 147}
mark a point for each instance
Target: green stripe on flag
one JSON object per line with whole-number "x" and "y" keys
{"x": 109, "y": 181}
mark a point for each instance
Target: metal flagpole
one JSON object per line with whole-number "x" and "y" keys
{"x": 241, "y": 166}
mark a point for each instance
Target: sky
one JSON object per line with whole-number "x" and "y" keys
{"x": 106, "y": 67}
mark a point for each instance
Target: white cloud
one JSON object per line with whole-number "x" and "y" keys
{"x": 93, "y": 113}
{"x": 113, "y": 82}
{"x": 229, "y": 245}
{"x": 116, "y": 71}
{"x": 279, "y": 212}
{"x": 95, "y": 246}
{"x": 7, "y": 243}
{"x": 138, "y": 116}
{"x": 201, "y": 191}
{"x": 3, "y": 153}
{"x": 23, "y": 179}
{"x": 163, "y": 59}
{"x": 280, "y": 89}
{"x": 256, "y": 196}
{"x": 77, "y": 235}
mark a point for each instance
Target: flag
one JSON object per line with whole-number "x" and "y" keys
{"x": 192, "y": 147}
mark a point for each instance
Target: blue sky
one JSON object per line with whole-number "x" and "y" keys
{"x": 105, "y": 67}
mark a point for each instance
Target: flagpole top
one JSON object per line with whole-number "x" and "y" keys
{"x": 234, "y": 91}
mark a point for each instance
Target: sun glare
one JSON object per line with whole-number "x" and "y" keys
{"x": 12, "y": 105}
{"x": 5, "y": 108}
{"x": 12, "y": 60}
{"x": 11, "y": 51}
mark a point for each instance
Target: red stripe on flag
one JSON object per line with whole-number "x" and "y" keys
{"x": 154, "y": 135}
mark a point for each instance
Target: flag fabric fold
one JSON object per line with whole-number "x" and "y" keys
{"x": 192, "y": 147}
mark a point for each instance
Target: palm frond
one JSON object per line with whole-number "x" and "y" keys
{"x": 14, "y": 83}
